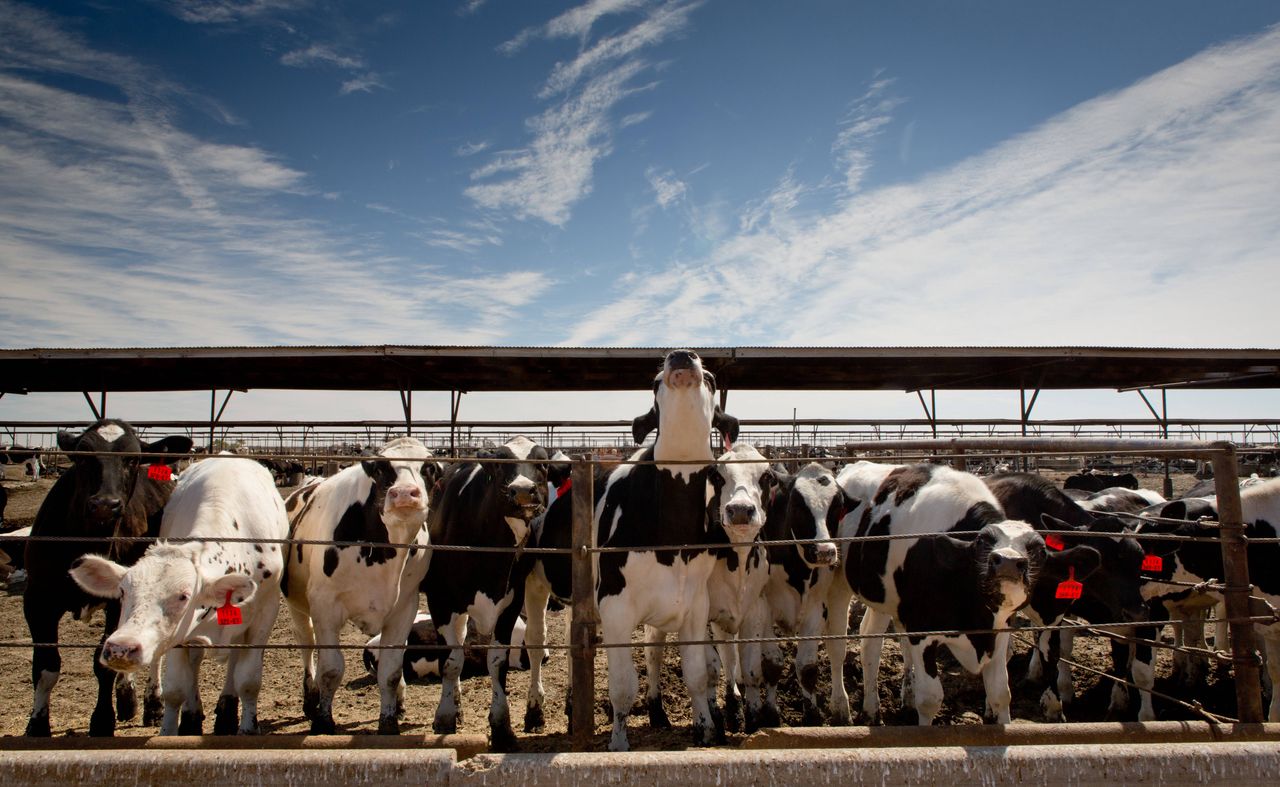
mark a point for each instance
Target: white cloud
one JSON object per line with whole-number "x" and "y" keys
{"x": 866, "y": 119}
{"x": 472, "y": 148}
{"x": 574, "y": 23}
{"x": 1131, "y": 219}
{"x": 229, "y": 11}
{"x": 320, "y": 54}
{"x": 667, "y": 188}
{"x": 364, "y": 83}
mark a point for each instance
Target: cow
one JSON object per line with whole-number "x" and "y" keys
{"x": 484, "y": 504}
{"x": 659, "y": 499}
{"x": 807, "y": 505}
{"x": 1111, "y": 595}
{"x": 743, "y": 482}
{"x": 424, "y": 656}
{"x": 1197, "y": 561}
{"x": 1091, "y": 481}
{"x": 29, "y": 458}
{"x": 185, "y": 592}
{"x": 109, "y": 494}
{"x": 1118, "y": 499}
{"x": 971, "y": 570}
{"x": 381, "y": 499}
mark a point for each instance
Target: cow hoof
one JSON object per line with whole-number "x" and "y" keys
{"x": 321, "y": 726}
{"x": 717, "y": 725}
{"x": 502, "y": 739}
{"x": 704, "y": 735}
{"x": 444, "y": 726}
{"x": 733, "y": 716}
{"x": 102, "y": 724}
{"x": 226, "y": 715}
{"x": 152, "y": 711}
{"x": 253, "y": 730}
{"x": 126, "y": 705}
{"x": 657, "y": 716}
{"x": 311, "y": 704}
{"x": 38, "y": 727}
{"x": 388, "y": 725}
{"x": 191, "y": 723}
{"x": 768, "y": 717}
{"x": 533, "y": 719}
{"x": 812, "y": 717}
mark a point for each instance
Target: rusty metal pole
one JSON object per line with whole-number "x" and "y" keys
{"x": 1235, "y": 572}
{"x": 582, "y": 635}
{"x": 958, "y": 461}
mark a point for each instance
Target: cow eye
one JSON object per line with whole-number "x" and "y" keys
{"x": 184, "y": 597}
{"x": 824, "y": 481}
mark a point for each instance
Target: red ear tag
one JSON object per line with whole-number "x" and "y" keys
{"x": 159, "y": 472}
{"x": 1069, "y": 588}
{"x": 565, "y": 488}
{"x": 227, "y": 614}
{"x": 1152, "y": 563}
{"x": 1055, "y": 543}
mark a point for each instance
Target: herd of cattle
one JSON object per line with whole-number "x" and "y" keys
{"x": 944, "y": 557}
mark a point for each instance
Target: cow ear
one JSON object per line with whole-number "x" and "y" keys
{"x": 727, "y": 425}
{"x": 98, "y": 576}
{"x": 1176, "y": 509}
{"x": 173, "y": 444}
{"x": 214, "y": 593}
{"x": 370, "y": 467}
{"x": 67, "y": 441}
{"x": 951, "y": 552}
{"x": 431, "y": 473}
{"x": 1084, "y": 560}
{"x": 642, "y": 425}
{"x": 1053, "y": 523}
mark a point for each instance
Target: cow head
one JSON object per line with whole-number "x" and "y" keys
{"x": 810, "y": 505}
{"x": 1007, "y": 558}
{"x": 104, "y": 483}
{"x": 521, "y": 484}
{"x": 160, "y": 596}
{"x": 684, "y": 408}
{"x": 741, "y": 492}
{"x": 1117, "y": 582}
{"x": 403, "y": 474}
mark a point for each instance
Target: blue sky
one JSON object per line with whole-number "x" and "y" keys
{"x": 638, "y": 172}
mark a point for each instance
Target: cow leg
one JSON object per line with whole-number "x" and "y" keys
{"x": 837, "y": 626}
{"x": 181, "y": 693}
{"x": 330, "y": 666}
{"x": 103, "y": 721}
{"x": 771, "y": 669}
{"x": 807, "y": 666}
{"x": 502, "y": 738}
{"x": 226, "y": 714}
{"x": 1272, "y": 641}
{"x": 1143, "y": 671}
{"x": 749, "y": 662}
{"x": 927, "y": 689}
{"x": 655, "y": 640}
{"x": 1049, "y": 647}
{"x": 46, "y": 663}
{"x": 693, "y": 666}
{"x": 1065, "y": 680}
{"x": 536, "y": 594}
{"x": 126, "y": 697}
{"x": 395, "y": 631}
{"x": 873, "y": 622}
{"x": 248, "y": 672}
{"x": 995, "y": 679}
{"x": 152, "y": 705}
{"x": 1035, "y": 668}
{"x": 726, "y": 662}
{"x": 448, "y": 714}
{"x": 616, "y": 626}
{"x": 304, "y": 633}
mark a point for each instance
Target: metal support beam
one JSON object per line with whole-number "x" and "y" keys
{"x": 406, "y": 404}
{"x": 216, "y": 415}
{"x": 97, "y": 414}
{"x": 455, "y": 401}
{"x": 1163, "y": 418}
{"x": 1024, "y": 415}
{"x": 930, "y": 412}
{"x": 586, "y": 617}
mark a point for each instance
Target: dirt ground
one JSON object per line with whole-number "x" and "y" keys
{"x": 356, "y": 704}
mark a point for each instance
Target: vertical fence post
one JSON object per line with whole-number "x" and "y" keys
{"x": 1235, "y": 570}
{"x": 582, "y": 636}
{"x": 958, "y": 461}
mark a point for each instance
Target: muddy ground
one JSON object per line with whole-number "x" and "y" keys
{"x": 356, "y": 704}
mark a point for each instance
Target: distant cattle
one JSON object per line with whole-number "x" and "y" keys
{"x": 110, "y": 494}
{"x": 659, "y": 499}
{"x": 1090, "y": 481}
{"x": 1118, "y": 499}
{"x": 489, "y": 504}
{"x": 425, "y": 652}
{"x": 29, "y": 458}
{"x": 205, "y": 592}
{"x": 382, "y": 499}
{"x": 971, "y": 570}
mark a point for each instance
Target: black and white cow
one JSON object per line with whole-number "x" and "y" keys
{"x": 1090, "y": 481}
{"x": 169, "y": 597}
{"x": 943, "y": 582}
{"x": 1118, "y": 499}
{"x": 381, "y": 499}
{"x": 425, "y": 654}
{"x": 29, "y": 458}
{"x": 737, "y": 606}
{"x": 1112, "y": 594}
{"x": 1197, "y": 561}
{"x": 108, "y": 495}
{"x": 662, "y": 503}
{"x": 484, "y": 504}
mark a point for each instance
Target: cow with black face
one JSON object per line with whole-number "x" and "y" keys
{"x": 659, "y": 499}
{"x": 381, "y": 499}
{"x": 484, "y": 504}
{"x": 105, "y": 495}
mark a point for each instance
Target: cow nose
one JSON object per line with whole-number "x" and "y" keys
{"x": 680, "y": 358}
{"x": 1007, "y": 566}
{"x": 826, "y": 554}
{"x": 104, "y": 507}
{"x": 521, "y": 494}
{"x": 739, "y": 513}
{"x": 121, "y": 652}
{"x": 403, "y": 496}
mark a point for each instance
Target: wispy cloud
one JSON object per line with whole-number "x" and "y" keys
{"x": 866, "y": 119}
{"x": 320, "y": 54}
{"x": 472, "y": 148}
{"x": 554, "y": 171}
{"x": 470, "y": 7}
{"x": 1107, "y": 224}
{"x": 119, "y": 227}
{"x": 227, "y": 11}
{"x": 574, "y": 23}
{"x": 667, "y": 188}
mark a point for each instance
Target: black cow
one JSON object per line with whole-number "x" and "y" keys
{"x": 1111, "y": 595}
{"x": 111, "y": 494}
{"x": 1090, "y": 481}
{"x": 484, "y": 505}
{"x": 658, "y": 505}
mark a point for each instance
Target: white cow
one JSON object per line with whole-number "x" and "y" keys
{"x": 169, "y": 597}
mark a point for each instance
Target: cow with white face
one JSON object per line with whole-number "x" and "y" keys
{"x": 484, "y": 504}
{"x": 381, "y": 499}
{"x": 971, "y": 570}
{"x": 169, "y": 597}
{"x": 661, "y": 503}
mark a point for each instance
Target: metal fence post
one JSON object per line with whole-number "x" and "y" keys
{"x": 582, "y": 654}
{"x": 1235, "y": 569}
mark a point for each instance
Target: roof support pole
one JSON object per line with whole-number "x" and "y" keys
{"x": 97, "y": 414}
{"x": 1024, "y": 414}
{"x": 931, "y": 409}
{"x": 455, "y": 401}
{"x": 1163, "y": 418}
{"x": 215, "y": 415}
{"x": 406, "y": 404}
